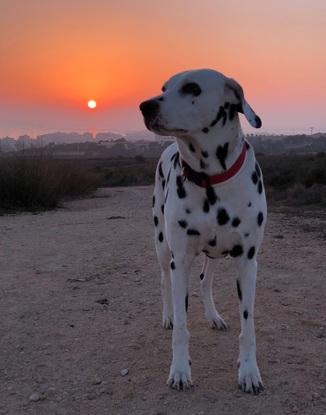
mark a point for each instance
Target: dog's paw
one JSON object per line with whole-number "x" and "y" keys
{"x": 167, "y": 322}
{"x": 249, "y": 379}
{"x": 216, "y": 322}
{"x": 180, "y": 376}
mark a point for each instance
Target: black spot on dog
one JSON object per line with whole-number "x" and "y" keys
{"x": 212, "y": 242}
{"x": 246, "y": 234}
{"x": 175, "y": 159}
{"x": 202, "y": 164}
{"x": 155, "y": 220}
{"x": 160, "y": 99}
{"x": 257, "y": 168}
{"x": 222, "y": 216}
{"x": 239, "y": 290}
{"x": 191, "y": 88}
{"x": 163, "y": 184}
{"x": 237, "y": 250}
{"x": 188, "y": 211}
{"x": 211, "y": 195}
{"x": 249, "y": 204}
{"x": 204, "y": 154}
{"x": 258, "y": 122}
{"x": 205, "y": 130}
{"x": 260, "y": 218}
{"x": 251, "y": 252}
{"x": 221, "y": 114}
{"x": 160, "y": 170}
{"x": 153, "y": 204}
{"x": 254, "y": 178}
{"x": 226, "y": 105}
{"x": 172, "y": 265}
{"x": 187, "y": 302}
{"x": 206, "y": 206}
{"x": 234, "y": 108}
{"x": 166, "y": 196}
{"x": 182, "y": 223}
{"x": 260, "y": 187}
{"x": 168, "y": 178}
{"x": 192, "y": 148}
{"x": 201, "y": 276}
{"x": 180, "y": 188}
{"x": 160, "y": 237}
{"x": 247, "y": 145}
{"x": 222, "y": 153}
{"x": 179, "y": 181}
{"x": 162, "y": 209}
{"x": 172, "y": 254}
{"x": 245, "y": 314}
{"x": 193, "y": 232}
{"x": 236, "y": 222}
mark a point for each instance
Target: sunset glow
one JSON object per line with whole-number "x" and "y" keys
{"x": 51, "y": 64}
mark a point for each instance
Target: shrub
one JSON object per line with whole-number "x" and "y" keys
{"x": 40, "y": 182}
{"x": 137, "y": 172}
{"x": 295, "y": 179}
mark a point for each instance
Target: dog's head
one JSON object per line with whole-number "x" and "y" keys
{"x": 196, "y": 101}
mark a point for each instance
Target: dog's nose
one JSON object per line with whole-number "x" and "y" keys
{"x": 149, "y": 108}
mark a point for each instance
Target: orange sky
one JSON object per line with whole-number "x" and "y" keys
{"x": 55, "y": 55}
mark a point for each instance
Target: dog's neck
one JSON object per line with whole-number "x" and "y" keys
{"x": 212, "y": 152}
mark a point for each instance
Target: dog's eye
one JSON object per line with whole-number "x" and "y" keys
{"x": 191, "y": 88}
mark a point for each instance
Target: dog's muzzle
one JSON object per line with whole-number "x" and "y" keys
{"x": 150, "y": 110}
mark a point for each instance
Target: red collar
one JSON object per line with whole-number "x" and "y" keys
{"x": 203, "y": 180}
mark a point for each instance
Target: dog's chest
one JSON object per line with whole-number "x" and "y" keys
{"x": 216, "y": 219}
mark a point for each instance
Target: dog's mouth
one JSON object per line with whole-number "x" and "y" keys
{"x": 157, "y": 127}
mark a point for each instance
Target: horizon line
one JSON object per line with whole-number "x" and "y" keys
{"x": 272, "y": 132}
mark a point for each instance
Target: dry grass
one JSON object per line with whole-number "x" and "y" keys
{"x": 295, "y": 180}
{"x": 290, "y": 179}
{"x": 39, "y": 183}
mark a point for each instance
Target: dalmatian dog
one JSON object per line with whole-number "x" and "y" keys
{"x": 209, "y": 197}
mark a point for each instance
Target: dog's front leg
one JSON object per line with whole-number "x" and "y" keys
{"x": 180, "y": 371}
{"x": 249, "y": 375}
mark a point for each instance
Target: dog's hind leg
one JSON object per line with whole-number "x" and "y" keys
{"x": 164, "y": 257}
{"x": 206, "y": 287}
{"x": 163, "y": 254}
{"x": 249, "y": 375}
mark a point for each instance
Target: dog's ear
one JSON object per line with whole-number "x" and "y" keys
{"x": 232, "y": 86}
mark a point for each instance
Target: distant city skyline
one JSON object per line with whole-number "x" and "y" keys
{"x": 56, "y": 56}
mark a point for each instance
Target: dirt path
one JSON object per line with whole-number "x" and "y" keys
{"x": 80, "y": 301}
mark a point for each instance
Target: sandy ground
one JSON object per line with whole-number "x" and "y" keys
{"x": 80, "y": 302}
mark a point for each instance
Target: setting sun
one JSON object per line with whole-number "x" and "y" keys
{"x": 91, "y": 104}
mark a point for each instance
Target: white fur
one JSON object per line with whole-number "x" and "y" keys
{"x": 185, "y": 116}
